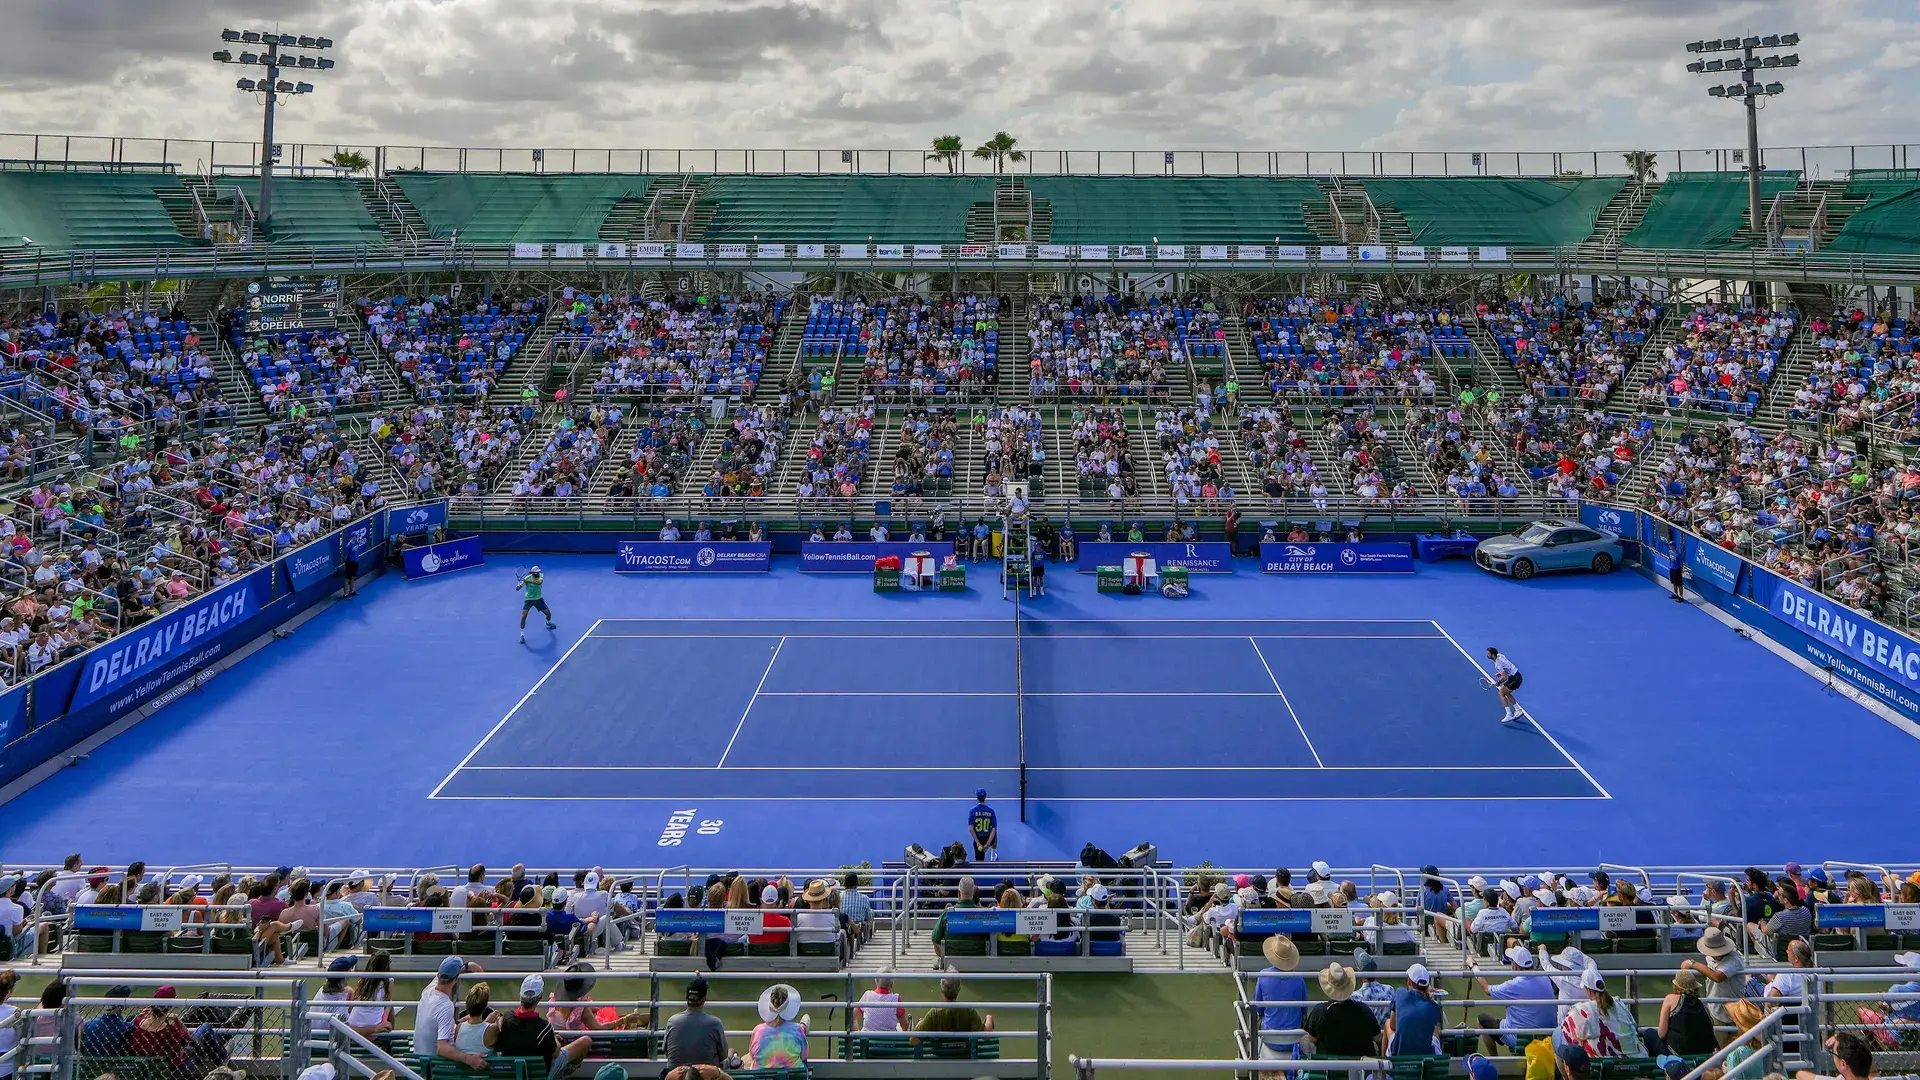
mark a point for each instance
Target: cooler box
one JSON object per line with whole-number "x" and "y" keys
{"x": 1107, "y": 579}
{"x": 953, "y": 579}
{"x": 886, "y": 579}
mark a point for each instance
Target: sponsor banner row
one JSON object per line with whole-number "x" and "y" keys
{"x": 693, "y": 557}
{"x": 1200, "y": 558}
{"x": 1284, "y": 253}
{"x": 1367, "y": 557}
{"x": 857, "y": 557}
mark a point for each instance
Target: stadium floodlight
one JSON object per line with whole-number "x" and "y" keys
{"x": 271, "y": 87}
{"x": 1748, "y": 90}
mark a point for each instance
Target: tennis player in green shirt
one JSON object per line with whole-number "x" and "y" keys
{"x": 532, "y": 584}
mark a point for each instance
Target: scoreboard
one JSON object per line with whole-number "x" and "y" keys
{"x": 281, "y": 303}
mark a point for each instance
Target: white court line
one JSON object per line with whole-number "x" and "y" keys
{"x": 1031, "y": 768}
{"x": 756, "y": 697}
{"x": 1283, "y": 700}
{"x": 1538, "y": 726}
{"x": 1130, "y": 622}
{"x": 948, "y": 799}
{"x": 435, "y": 793}
{"x": 1036, "y": 637}
{"x": 1010, "y": 693}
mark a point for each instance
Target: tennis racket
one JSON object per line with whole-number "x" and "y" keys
{"x": 520, "y": 572}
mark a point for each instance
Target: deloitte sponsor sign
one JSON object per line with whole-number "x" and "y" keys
{"x": 693, "y": 557}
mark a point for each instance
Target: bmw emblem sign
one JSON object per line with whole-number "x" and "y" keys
{"x": 1347, "y": 556}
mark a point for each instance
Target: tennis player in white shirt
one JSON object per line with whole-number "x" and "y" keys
{"x": 1506, "y": 679}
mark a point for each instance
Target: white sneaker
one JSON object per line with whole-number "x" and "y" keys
{"x": 523, "y": 639}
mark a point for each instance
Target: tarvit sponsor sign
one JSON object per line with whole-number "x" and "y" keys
{"x": 1198, "y": 558}
{"x": 692, "y": 557}
{"x": 1368, "y": 557}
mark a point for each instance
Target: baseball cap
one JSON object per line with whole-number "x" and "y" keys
{"x": 1574, "y": 1056}
{"x": 1320, "y": 867}
{"x": 1672, "y": 1065}
{"x": 1418, "y": 975}
{"x": 452, "y": 967}
{"x": 1792, "y": 868}
{"x": 343, "y": 963}
{"x": 1591, "y": 979}
{"x": 770, "y": 895}
{"x": 1519, "y": 957}
{"x": 1479, "y": 1068}
{"x": 533, "y": 570}
{"x": 533, "y": 986}
{"x": 1099, "y": 892}
{"x": 165, "y": 992}
{"x": 980, "y": 795}
{"x": 559, "y": 897}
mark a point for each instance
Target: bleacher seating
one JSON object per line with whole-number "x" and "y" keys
{"x": 1352, "y": 349}
{"x": 923, "y": 456}
{"x": 510, "y": 208}
{"x": 1105, "y": 347}
{"x": 749, "y": 452}
{"x": 843, "y": 209}
{"x": 315, "y": 211}
{"x": 836, "y": 457}
{"x": 447, "y": 349}
{"x": 663, "y": 446}
{"x": 1278, "y": 451}
{"x": 88, "y": 210}
{"x": 1703, "y": 210}
{"x": 1889, "y": 222}
{"x": 1562, "y": 347}
{"x": 1863, "y": 368}
{"x": 1177, "y": 210}
{"x": 315, "y": 368}
{"x": 1579, "y": 453}
{"x": 1103, "y": 455}
{"x": 445, "y": 449}
{"x": 676, "y": 347}
{"x": 1373, "y": 464}
{"x": 566, "y": 461}
{"x": 1458, "y": 455}
{"x": 107, "y": 371}
{"x": 1190, "y": 456}
{"x": 1496, "y": 210}
{"x": 1722, "y": 359}
{"x": 918, "y": 349}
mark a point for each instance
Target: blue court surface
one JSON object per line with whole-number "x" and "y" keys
{"x": 804, "y": 720}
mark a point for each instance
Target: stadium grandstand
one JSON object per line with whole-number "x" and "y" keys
{"x": 447, "y": 596}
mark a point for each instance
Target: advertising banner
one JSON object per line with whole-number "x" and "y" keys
{"x": 1715, "y": 565}
{"x": 1369, "y": 557}
{"x": 143, "y": 661}
{"x": 357, "y": 540}
{"x": 1623, "y": 523}
{"x": 1201, "y": 558}
{"x": 444, "y": 557}
{"x": 414, "y": 520}
{"x": 1877, "y": 658}
{"x": 313, "y": 564}
{"x": 693, "y": 557}
{"x": 856, "y": 557}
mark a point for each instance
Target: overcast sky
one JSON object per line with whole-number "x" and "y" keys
{"x": 1095, "y": 74}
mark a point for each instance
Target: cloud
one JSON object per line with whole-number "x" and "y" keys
{"x": 1251, "y": 75}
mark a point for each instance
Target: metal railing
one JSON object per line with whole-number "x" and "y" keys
{"x": 100, "y": 151}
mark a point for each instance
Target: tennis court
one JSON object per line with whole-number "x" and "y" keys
{"x": 1097, "y": 710}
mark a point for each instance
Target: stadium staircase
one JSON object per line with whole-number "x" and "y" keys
{"x": 1813, "y": 212}
{"x": 1413, "y": 464}
{"x": 626, "y": 222}
{"x": 1014, "y": 215}
{"x": 535, "y": 441}
{"x": 1243, "y": 362}
{"x": 1491, "y": 368}
{"x": 1796, "y": 361}
{"x": 1015, "y": 347}
{"x": 399, "y": 220}
{"x": 674, "y": 211}
{"x": 1619, "y": 217}
{"x": 1344, "y": 214}
{"x": 373, "y": 464}
{"x": 1652, "y": 354}
{"x": 394, "y": 391}
{"x": 783, "y": 356}
{"x": 183, "y": 209}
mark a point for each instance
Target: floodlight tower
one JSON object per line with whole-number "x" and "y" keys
{"x": 300, "y": 58}
{"x": 1748, "y": 90}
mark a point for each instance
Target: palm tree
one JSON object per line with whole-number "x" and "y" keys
{"x": 351, "y": 160}
{"x": 1642, "y": 165}
{"x": 948, "y": 148}
{"x": 999, "y": 150}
